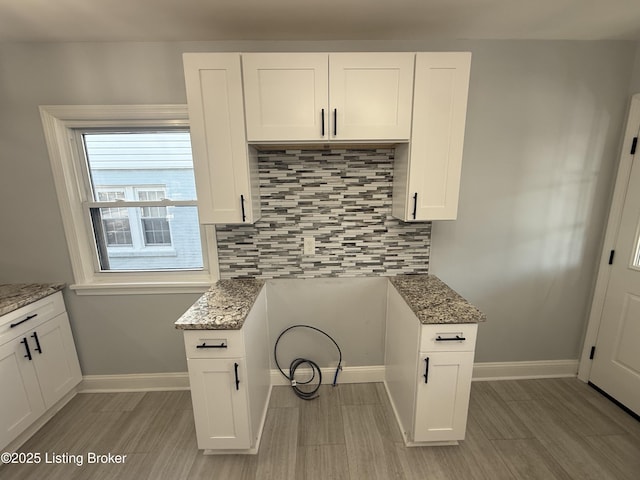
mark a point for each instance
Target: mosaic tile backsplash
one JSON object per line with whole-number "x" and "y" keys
{"x": 342, "y": 198}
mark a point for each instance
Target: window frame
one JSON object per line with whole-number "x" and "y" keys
{"x": 60, "y": 124}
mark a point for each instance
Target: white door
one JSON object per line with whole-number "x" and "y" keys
{"x": 370, "y": 95}
{"x": 437, "y": 138}
{"x": 616, "y": 362}
{"x": 219, "y": 396}
{"x": 55, "y": 358}
{"x": 286, "y": 96}
{"x": 20, "y": 400}
{"x": 442, "y": 401}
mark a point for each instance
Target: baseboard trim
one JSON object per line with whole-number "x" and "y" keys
{"x": 525, "y": 370}
{"x": 146, "y": 382}
{"x": 366, "y": 374}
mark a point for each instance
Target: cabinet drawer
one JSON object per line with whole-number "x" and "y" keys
{"x": 459, "y": 337}
{"x": 16, "y": 323}
{"x": 213, "y": 343}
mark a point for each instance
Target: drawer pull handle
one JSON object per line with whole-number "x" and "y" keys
{"x": 322, "y": 119}
{"x": 335, "y": 122}
{"x": 457, "y": 338}
{"x": 204, "y": 345}
{"x": 38, "y": 348}
{"x": 415, "y": 205}
{"x": 13, "y": 325}
{"x": 426, "y": 370}
{"x": 26, "y": 346}
{"x": 235, "y": 366}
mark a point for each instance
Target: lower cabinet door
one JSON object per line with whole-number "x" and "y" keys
{"x": 55, "y": 358}
{"x": 20, "y": 400}
{"x": 444, "y": 384}
{"x": 220, "y": 405}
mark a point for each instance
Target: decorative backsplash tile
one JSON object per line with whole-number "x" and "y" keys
{"x": 341, "y": 198}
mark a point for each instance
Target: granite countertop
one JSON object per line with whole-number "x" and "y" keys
{"x": 223, "y": 307}
{"x": 16, "y": 295}
{"x": 435, "y": 302}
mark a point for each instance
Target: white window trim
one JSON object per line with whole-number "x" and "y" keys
{"x": 58, "y": 123}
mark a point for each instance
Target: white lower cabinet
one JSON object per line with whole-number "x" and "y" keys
{"x": 230, "y": 383}
{"x": 38, "y": 364}
{"x": 219, "y": 393}
{"x": 442, "y": 396}
{"x": 428, "y": 374}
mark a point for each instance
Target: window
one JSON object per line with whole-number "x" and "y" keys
{"x": 126, "y": 187}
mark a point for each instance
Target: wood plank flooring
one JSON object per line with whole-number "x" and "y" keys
{"x": 551, "y": 429}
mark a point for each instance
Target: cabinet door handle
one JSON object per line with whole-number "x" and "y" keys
{"x": 426, "y": 370}
{"x": 457, "y": 338}
{"x": 322, "y": 115}
{"x": 204, "y": 345}
{"x": 244, "y": 217}
{"x": 235, "y": 366}
{"x": 335, "y": 122}
{"x": 415, "y": 204}
{"x": 38, "y": 348}
{"x": 13, "y": 325}
{"x": 26, "y": 346}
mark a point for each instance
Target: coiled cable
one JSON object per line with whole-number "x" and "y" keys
{"x": 315, "y": 369}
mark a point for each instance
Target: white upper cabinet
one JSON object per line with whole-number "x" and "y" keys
{"x": 225, "y": 167}
{"x": 370, "y": 95}
{"x": 427, "y": 171}
{"x": 286, "y": 96}
{"x": 310, "y": 97}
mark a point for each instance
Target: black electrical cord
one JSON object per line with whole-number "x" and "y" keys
{"x": 315, "y": 369}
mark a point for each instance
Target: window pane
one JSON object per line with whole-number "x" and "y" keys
{"x": 156, "y": 249}
{"x": 156, "y": 231}
{"x": 142, "y": 158}
{"x": 147, "y": 166}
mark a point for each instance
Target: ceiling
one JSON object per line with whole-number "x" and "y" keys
{"x": 201, "y": 20}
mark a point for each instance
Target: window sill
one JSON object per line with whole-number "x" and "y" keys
{"x": 140, "y": 288}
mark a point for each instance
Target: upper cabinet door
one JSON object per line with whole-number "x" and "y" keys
{"x": 370, "y": 96}
{"x": 225, "y": 169}
{"x": 426, "y": 172}
{"x": 439, "y": 116}
{"x": 286, "y": 96}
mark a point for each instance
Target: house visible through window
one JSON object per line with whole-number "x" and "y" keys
{"x": 143, "y": 205}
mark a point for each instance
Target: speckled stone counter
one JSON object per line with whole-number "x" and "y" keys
{"x": 435, "y": 302}
{"x": 16, "y": 295}
{"x": 223, "y": 307}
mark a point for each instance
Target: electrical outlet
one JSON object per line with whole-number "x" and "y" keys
{"x": 309, "y": 246}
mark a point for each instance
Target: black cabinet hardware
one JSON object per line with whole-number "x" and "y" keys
{"x": 26, "y": 346}
{"x": 235, "y": 366}
{"x": 335, "y": 122}
{"x": 426, "y": 370}
{"x": 322, "y": 134}
{"x": 38, "y": 348}
{"x": 13, "y": 325}
{"x": 415, "y": 205}
{"x": 244, "y": 217}
{"x": 457, "y": 338}
{"x": 204, "y": 345}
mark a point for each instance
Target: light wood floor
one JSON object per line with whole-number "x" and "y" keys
{"x": 528, "y": 429}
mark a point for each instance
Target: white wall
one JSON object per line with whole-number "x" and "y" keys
{"x": 351, "y": 310}
{"x": 541, "y": 146}
{"x": 541, "y": 151}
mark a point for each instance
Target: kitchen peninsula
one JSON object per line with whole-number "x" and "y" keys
{"x": 429, "y": 341}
